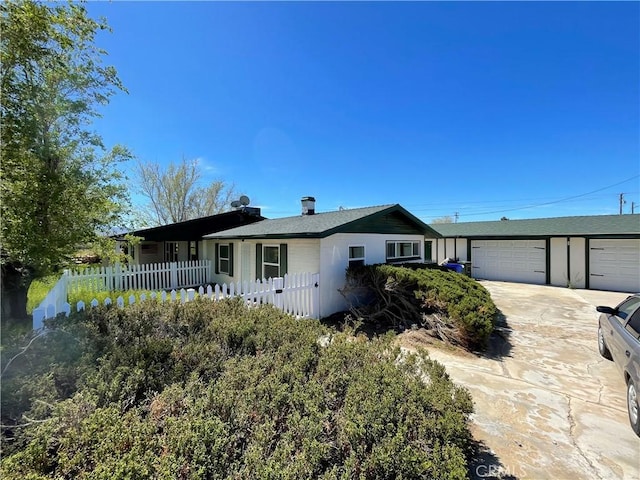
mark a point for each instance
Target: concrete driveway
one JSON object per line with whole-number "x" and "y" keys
{"x": 547, "y": 405}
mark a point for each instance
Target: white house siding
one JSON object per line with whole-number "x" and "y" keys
{"x": 304, "y": 255}
{"x": 578, "y": 262}
{"x": 574, "y": 261}
{"x": 558, "y": 274}
{"x": 328, "y": 256}
{"x": 334, "y": 258}
{"x": 450, "y": 248}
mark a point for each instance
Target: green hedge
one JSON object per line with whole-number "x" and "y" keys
{"x": 459, "y": 298}
{"x": 216, "y": 390}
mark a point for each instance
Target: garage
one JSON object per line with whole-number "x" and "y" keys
{"x": 510, "y": 260}
{"x": 614, "y": 264}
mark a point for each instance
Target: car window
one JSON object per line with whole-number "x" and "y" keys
{"x": 633, "y": 325}
{"x": 627, "y": 307}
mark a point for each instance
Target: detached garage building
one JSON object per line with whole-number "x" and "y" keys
{"x": 597, "y": 252}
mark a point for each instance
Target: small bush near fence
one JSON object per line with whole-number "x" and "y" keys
{"x": 217, "y": 390}
{"x": 87, "y": 297}
{"x": 453, "y": 307}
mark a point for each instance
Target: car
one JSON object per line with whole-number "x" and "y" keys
{"x": 619, "y": 340}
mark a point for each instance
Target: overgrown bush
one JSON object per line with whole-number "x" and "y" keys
{"x": 216, "y": 390}
{"x": 452, "y": 306}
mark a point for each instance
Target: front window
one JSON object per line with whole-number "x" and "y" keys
{"x": 403, "y": 250}
{"x": 224, "y": 260}
{"x": 271, "y": 261}
{"x": 356, "y": 256}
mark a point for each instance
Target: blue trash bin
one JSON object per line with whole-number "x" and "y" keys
{"x": 456, "y": 267}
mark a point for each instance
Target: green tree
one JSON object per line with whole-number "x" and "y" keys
{"x": 59, "y": 186}
{"x": 176, "y": 193}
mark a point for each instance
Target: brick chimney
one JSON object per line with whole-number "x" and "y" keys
{"x": 308, "y": 205}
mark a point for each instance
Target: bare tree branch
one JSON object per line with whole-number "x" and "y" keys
{"x": 22, "y": 351}
{"x": 175, "y": 193}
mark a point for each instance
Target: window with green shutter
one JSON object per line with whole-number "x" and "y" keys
{"x": 271, "y": 260}
{"x": 224, "y": 258}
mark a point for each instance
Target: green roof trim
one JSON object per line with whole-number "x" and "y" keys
{"x": 595, "y": 225}
{"x": 356, "y": 220}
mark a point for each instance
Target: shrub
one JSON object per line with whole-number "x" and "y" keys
{"x": 87, "y": 296}
{"x": 454, "y": 307}
{"x": 216, "y": 390}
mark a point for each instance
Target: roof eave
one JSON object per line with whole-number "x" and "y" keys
{"x": 279, "y": 236}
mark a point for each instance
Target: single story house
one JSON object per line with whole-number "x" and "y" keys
{"x": 600, "y": 252}
{"x": 182, "y": 241}
{"x": 324, "y": 243}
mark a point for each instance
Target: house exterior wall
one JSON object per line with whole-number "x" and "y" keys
{"x": 578, "y": 262}
{"x": 144, "y": 253}
{"x": 558, "y": 262}
{"x": 303, "y": 255}
{"x": 568, "y": 254}
{"x": 450, "y": 248}
{"x": 328, "y": 256}
{"x": 334, "y": 260}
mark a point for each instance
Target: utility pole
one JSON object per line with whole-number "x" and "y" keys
{"x": 457, "y": 215}
{"x": 622, "y": 202}
{"x": 633, "y": 208}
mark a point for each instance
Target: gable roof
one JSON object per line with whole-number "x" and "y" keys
{"x": 596, "y": 225}
{"x": 196, "y": 228}
{"x": 379, "y": 219}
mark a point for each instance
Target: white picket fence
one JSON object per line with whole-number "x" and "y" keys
{"x": 155, "y": 276}
{"x": 295, "y": 294}
{"x": 152, "y": 276}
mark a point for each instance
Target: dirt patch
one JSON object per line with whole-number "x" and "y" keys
{"x": 421, "y": 338}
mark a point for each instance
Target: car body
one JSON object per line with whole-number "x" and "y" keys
{"x": 619, "y": 340}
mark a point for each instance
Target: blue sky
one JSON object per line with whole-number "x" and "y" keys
{"x": 477, "y": 108}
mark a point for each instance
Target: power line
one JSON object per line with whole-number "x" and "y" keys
{"x": 555, "y": 201}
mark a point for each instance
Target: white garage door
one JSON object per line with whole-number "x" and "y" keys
{"x": 614, "y": 265}
{"x": 509, "y": 260}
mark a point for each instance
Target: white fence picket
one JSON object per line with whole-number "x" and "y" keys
{"x": 296, "y": 294}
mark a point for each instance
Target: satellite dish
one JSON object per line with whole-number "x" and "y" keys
{"x": 235, "y": 204}
{"x": 244, "y": 200}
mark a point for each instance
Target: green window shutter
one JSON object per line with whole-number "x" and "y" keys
{"x": 283, "y": 259}
{"x": 259, "y": 261}
{"x": 231, "y": 259}
{"x": 216, "y": 254}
